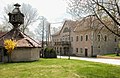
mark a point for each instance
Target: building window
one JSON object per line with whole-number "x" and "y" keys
{"x": 105, "y": 38}
{"x": 57, "y": 40}
{"x": 65, "y": 39}
{"x": 76, "y": 38}
{"x": 57, "y": 50}
{"x": 86, "y": 37}
{"x": 71, "y": 38}
{"x": 99, "y": 47}
{"x": 68, "y": 38}
{"x": 115, "y": 39}
{"x": 60, "y": 50}
{"x": 98, "y": 37}
{"x": 81, "y": 50}
{"x": 81, "y": 38}
{"x": 115, "y": 49}
{"x": 77, "y": 50}
{"x": 60, "y": 39}
{"x": 66, "y": 30}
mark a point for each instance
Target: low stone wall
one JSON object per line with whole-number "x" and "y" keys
{"x": 107, "y": 57}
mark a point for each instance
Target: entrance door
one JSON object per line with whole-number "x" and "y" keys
{"x": 60, "y": 51}
{"x": 86, "y": 52}
{"x": 92, "y": 51}
{"x": 66, "y": 50}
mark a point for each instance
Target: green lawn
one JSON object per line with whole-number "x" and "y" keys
{"x": 59, "y": 68}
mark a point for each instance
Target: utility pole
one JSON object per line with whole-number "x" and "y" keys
{"x": 43, "y": 37}
{"x": 46, "y": 42}
{"x": 69, "y": 44}
{"x": 49, "y": 35}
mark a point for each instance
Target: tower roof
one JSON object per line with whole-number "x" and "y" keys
{"x": 22, "y": 39}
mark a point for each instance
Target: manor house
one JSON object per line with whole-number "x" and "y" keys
{"x": 87, "y": 37}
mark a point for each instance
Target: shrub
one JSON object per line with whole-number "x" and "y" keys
{"x": 49, "y": 53}
{"x": 9, "y": 46}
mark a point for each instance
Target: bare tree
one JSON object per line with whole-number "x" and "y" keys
{"x": 38, "y": 31}
{"x": 29, "y": 12}
{"x": 30, "y": 34}
{"x": 3, "y": 28}
{"x": 5, "y": 21}
{"x": 42, "y": 32}
{"x": 42, "y": 29}
{"x": 31, "y": 15}
{"x": 78, "y": 8}
{"x": 106, "y": 11}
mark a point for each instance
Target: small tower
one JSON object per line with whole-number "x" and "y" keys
{"x": 16, "y": 18}
{"x": 26, "y": 49}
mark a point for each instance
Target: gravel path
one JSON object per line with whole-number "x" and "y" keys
{"x": 102, "y": 60}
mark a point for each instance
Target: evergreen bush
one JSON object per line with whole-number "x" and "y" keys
{"x": 49, "y": 53}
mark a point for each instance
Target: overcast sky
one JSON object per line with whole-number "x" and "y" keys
{"x": 53, "y": 10}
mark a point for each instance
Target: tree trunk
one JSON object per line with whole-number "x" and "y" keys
{"x": 9, "y": 58}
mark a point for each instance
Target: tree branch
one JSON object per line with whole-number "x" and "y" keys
{"x": 118, "y": 10}
{"x": 112, "y": 17}
{"x": 106, "y": 25}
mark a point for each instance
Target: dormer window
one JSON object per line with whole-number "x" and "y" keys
{"x": 66, "y": 30}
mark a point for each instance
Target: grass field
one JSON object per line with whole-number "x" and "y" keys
{"x": 59, "y": 68}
